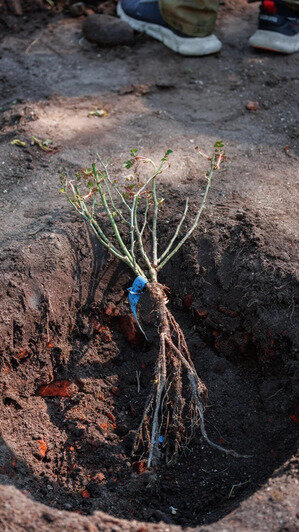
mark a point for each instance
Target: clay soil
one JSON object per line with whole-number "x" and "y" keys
{"x": 75, "y": 370}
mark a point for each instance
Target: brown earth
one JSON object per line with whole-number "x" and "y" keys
{"x": 66, "y": 328}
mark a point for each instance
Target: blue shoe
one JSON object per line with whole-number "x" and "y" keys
{"x": 145, "y": 16}
{"x": 278, "y": 28}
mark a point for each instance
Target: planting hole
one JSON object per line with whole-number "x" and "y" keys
{"x": 76, "y": 372}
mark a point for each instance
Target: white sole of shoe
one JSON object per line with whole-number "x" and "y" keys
{"x": 194, "y": 46}
{"x": 274, "y": 41}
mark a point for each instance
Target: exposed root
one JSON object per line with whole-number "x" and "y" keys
{"x": 175, "y": 406}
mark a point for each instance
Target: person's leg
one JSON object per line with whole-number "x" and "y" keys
{"x": 184, "y": 26}
{"x": 278, "y": 26}
{"x": 196, "y": 18}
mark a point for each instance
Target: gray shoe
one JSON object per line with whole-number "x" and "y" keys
{"x": 145, "y": 16}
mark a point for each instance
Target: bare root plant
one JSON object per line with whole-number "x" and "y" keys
{"x": 176, "y": 403}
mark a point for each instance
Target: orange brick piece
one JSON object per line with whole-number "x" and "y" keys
{"x": 42, "y": 447}
{"x": 57, "y": 389}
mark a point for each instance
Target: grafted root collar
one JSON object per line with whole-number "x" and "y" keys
{"x": 157, "y": 293}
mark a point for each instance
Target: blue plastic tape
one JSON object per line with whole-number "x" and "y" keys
{"x": 135, "y": 292}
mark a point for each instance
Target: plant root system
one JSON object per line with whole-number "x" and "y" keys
{"x": 176, "y": 403}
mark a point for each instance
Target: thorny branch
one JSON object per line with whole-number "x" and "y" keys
{"x": 101, "y": 185}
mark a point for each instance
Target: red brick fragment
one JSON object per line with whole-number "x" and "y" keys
{"x": 85, "y": 494}
{"x": 58, "y": 389}
{"x": 187, "y": 301}
{"x": 140, "y": 467}
{"x": 127, "y": 327}
{"x": 115, "y": 391}
{"x": 130, "y": 330}
{"x": 42, "y": 447}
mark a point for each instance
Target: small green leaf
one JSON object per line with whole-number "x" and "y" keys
{"x": 128, "y": 164}
{"x": 18, "y": 142}
{"x": 168, "y": 152}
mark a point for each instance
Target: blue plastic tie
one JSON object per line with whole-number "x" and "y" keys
{"x": 135, "y": 292}
{"x": 160, "y": 439}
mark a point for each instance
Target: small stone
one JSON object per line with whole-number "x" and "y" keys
{"x": 77, "y": 9}
{"x": 67, "y": 506}
{"x": 162, "y": 516}
{"x": 107, "y": 31}
{"x": 252, "y": 106}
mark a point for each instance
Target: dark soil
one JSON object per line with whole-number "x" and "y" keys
{"x": 64, "y": 314}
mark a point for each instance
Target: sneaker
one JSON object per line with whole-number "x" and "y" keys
{"x": 278, "y": 28}
{"x": 145, "y": 16}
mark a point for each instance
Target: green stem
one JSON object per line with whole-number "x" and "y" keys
{"x": 111, "y": 182}
{"x": 189, "y": 233}
{"x": 155, "y": 216}
{"x": 98, "y": 231}
{"x": 111, "y": 218}
{"x": 175, "y": 234}
{"x": 118, "y": 211}
{"x": 145, "y": 217}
